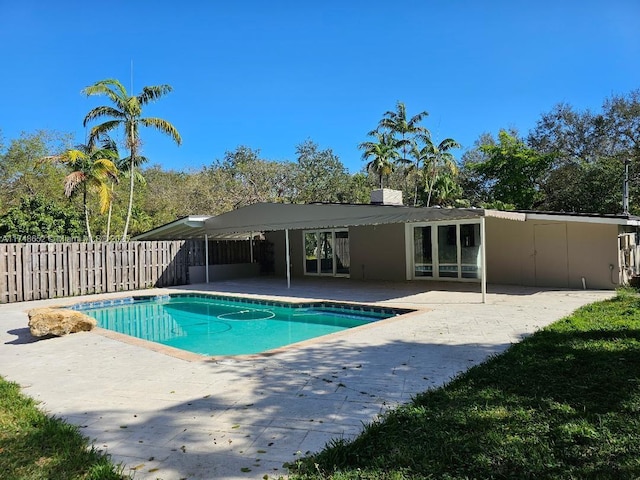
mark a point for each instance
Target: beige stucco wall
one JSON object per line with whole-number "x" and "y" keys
{"x": 551, "y": 254}
{"x": 533, "y": 253}
{"x": 277, "y": 239}
{"x": 378, "y": 252}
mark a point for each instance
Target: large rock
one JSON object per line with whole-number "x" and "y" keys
{"x": 58, "y": 321}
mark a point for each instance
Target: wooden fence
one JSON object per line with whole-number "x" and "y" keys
{"x": 34, "y": 271}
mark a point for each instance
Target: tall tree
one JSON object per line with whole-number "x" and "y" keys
{"x": 407, "y": 132}
{"x": 23, "y": 174}
{"x": 126, "y": 113}
{"x": 514, "y": 171}
{"x": 439, "y": 165}
{"x": 590, "y": 149}
{"x": 322, "y": 177}
{"x": 92, "y": 169}
{"x": 40, "y": 219}
{"x": 250, "y": 179}
{"x": 382, "y": 153}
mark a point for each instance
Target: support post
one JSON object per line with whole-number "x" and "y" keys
{"x": 206, "y": 258}
{"x": 483, "y": 249}
{"x": 251, "y": 246}
{"x": 288, "y": 256}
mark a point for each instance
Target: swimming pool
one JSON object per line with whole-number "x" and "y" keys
{"x": 223, "y": 325}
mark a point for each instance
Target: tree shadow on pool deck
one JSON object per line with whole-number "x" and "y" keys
{"x": 258, "y": 413}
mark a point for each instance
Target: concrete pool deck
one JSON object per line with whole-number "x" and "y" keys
{"x": 169, "y": 418}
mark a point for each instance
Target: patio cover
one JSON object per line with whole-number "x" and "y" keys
{"x": 185, "y": 228}
{"x": 266, "y": 217}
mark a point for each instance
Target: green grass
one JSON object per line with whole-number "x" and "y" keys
{"x": 34, "y": 446}
{"x": 562, "y": 404}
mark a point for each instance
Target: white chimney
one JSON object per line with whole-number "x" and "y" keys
{"x": 386, "y": 196}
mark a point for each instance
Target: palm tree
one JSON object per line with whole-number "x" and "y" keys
{"x": 446, "y": 188}
{"x": 92, "y": 169}
{"x": 409, "y": 131}
{"x": 439, "y": 164}
{"x": 383, "y": 152}
{"x": 127, "y": 113}
{"x": 123, "y": 165}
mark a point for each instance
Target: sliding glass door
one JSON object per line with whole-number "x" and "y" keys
{"x": 447, "y": 251}
{"x": 423, "y": 256}
{"x": 326, "y": 252}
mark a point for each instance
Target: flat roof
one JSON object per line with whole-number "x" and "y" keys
{"x": 264, "y": 217}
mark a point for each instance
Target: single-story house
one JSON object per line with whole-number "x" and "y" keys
{"x": 388, "y": 241}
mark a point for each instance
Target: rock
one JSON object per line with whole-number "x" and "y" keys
{"x": 58, "y": 321}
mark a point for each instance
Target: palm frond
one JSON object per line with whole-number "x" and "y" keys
{"x": 153, "y": 92}
{"x": 103, "y": 111}
{"x": 74, "y": 157}
{"x": 107, "y": 143}
{"x": 111, "y": 88}
{"x": 418, "y": 117}
{"x": 105, "y": 168}
{"x": 71, "y": 182}
{"x": 102, "y": 129}
{"x": 163, "y": 126}
{"x": 447, "y": 144}
{"x": 105, "y": 196}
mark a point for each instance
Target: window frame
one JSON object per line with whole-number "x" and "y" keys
{"x": 317, "y": 233}
{"x": 461, "y": 268}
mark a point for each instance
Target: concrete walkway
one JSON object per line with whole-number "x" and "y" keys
{"x": 168, "y": 418}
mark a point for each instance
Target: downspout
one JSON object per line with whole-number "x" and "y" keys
{"x": 206, "y": 258}
{"x": 483, "y": 249}
{"x": 288, "y": 256}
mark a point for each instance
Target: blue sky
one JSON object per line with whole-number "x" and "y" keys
{"x": 271, "y": 74}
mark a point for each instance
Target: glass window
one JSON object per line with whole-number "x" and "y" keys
{"x": 311, "y": 252}
{"x": 423, "y": 258}
{"x": 343, "y": 260}
{"x": 447, "y": 251}
{"x": 326, "y": 252}
{"x": 470, "y": 250}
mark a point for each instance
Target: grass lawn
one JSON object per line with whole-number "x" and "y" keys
{"x": 562, "y": 404}
{"x": 35, "y": 446}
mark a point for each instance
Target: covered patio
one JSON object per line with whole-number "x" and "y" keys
{"x": 427, "y": 245}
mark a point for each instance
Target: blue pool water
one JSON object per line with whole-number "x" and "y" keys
{"x": 217, "y": 325}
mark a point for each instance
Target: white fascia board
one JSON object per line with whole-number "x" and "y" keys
{"x": 582, "y": 219}
{"x": 196, "y": 221}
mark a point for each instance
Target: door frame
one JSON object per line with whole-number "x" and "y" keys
{"x": 317, "y": 233}
{"x": 410, "y": 250}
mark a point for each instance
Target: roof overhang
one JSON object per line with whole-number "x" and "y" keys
{"x": 266, "y": 217}
{"x": 185, "y": 228}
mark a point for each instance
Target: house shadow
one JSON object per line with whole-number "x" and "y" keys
{"x": 362, "y": 291}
